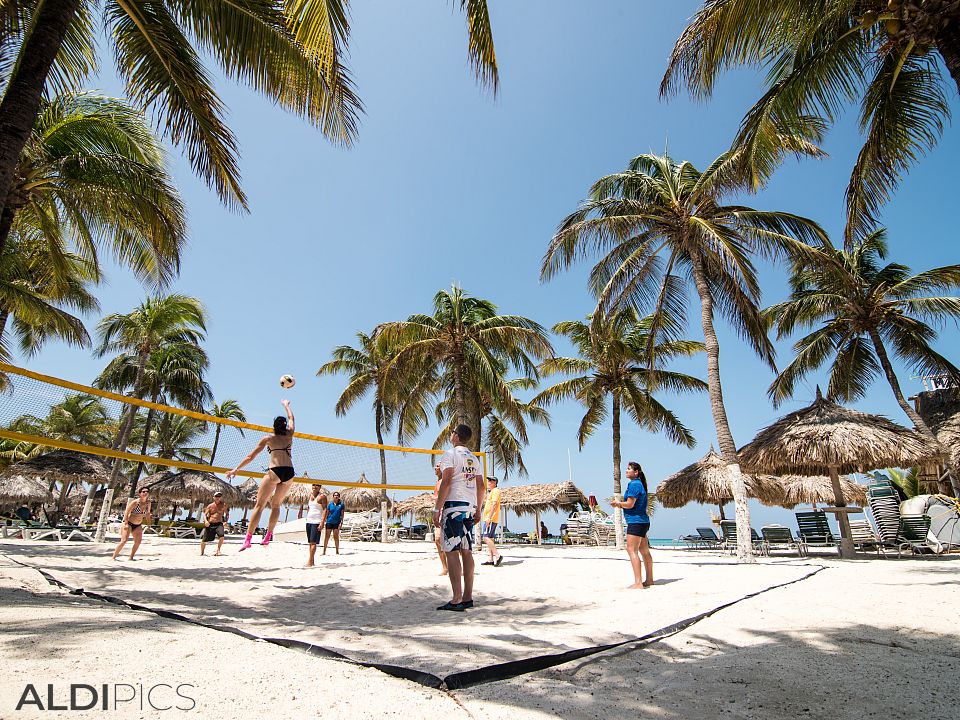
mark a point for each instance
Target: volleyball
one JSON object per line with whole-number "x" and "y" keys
{"x": 287, "y": 381}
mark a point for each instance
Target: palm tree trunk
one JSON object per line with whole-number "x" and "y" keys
{"x": 914, "y": 416}
{"x": 4, "y": 315}
{"x": 21, "y": 101}
{"x": 918, "y": 422}
{"x": 122, "y": 438}
{"x": 617, "y": 512}
{"x": 459, "y": 394}
{"x": 6, "y": 224}
{"x": 147, "y": 428}
{"x": 216, "y": 441}
{"x": 728, "y": 447}
{"x": 378, "y": 413}
{"x": 948, "y": 43}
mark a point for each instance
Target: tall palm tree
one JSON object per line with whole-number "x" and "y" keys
{"x": 227, "y": 410}
{"x": 177, "y": 436}
{"x": 291, "y": 51}
{"x": 468, "y": 342}
{"x": 663, "y": 224}
{"x": 173, "y": 374}
{"x": 79, "y": 418}
{"x": 860, "y": 310}
{"x": 821, "y": 55}
{"x": 618, "y": 369}
{"x": 155, "y": 322}
{"x": 38, "y": 291}
{"x": 92, "y": 174}
{"x": 372, "y": 371}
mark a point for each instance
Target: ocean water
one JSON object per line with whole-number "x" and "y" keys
{"x": 664, "y": 542}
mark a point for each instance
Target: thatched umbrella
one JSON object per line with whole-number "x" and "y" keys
{"x": 810, "y": 490}
{"x": 535, "y": 499}
{"x": 419, "y": 506}
{"x": 359, "y": 499}
{"x": 23, "y": 489}
{"x": 64, "y": 466}
{"x": 826, "y": 436}
{"x": 707, "y": 481}
{"x": 191, "y": 485}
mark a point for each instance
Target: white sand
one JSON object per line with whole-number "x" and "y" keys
{"x": 857, "y": 637}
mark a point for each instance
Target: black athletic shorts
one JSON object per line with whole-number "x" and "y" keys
{"x": 211, "y": 531}
{"x": 639, "y": 529}
{"x": 313, "y": 533}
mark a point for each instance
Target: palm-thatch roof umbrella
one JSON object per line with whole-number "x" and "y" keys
{"x": 419, "y": 506}
{"x": 359, "y": 499}
{"x": 827, "y": 436}
{"x": 64, "y": 466}
{"x": 191, "y": 485}
{"x": 707, "y": 481}
{"x": 23, "y": 489}
{"x": 534, "y": 499}
{"x": 810, "y": 490}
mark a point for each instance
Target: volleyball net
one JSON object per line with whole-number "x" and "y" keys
{"x": 39, "y": 411}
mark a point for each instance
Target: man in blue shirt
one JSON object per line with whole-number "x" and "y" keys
{"x": 635, "y": 516}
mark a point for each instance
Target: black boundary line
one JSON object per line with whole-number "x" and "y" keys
{"x": 455, "y": 681}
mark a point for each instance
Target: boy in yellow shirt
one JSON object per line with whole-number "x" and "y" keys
{"x": 490, "y": 518}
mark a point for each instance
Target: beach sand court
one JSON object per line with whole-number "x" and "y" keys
{"x": 804, "y": 635}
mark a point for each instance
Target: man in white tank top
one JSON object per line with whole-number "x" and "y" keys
{"x": 459, "y": 500}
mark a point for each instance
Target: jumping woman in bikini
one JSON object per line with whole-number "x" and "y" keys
{"x": 138, "y": 511}
{"x": 277, "y": 481}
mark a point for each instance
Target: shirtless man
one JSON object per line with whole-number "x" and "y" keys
{"x": 215, "y": 514}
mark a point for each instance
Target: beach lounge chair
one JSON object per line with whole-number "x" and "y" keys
{"x": 814, "y": 529}
{"x": 912, "y": 534}
{"x": 705, "y": 539}
{"x": 864, "y": 538}
{"x": 884, "y": 505}
{"x": 729, "y": 530}
{"x": 778, "y": 537}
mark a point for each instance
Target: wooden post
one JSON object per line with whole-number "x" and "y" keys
{"x": 538, "y": 527}
{"x": 846, "y": 540}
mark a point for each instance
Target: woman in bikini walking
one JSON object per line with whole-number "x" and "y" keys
{"x": 276, "y": 482}
{"x": 138, "y": 510}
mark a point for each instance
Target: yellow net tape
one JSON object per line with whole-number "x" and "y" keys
{"x": 327, "y": 460}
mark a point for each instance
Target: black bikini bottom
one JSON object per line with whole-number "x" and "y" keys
{"x": 283, "y": 472}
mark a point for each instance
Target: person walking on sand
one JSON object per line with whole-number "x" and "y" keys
{"x": 137, "y": 513}
{"x": 276, "y": 482}
{"x": 316, "y": 506}
{"x": 214, "y": 515}
{"x": 436, "y": 528}
{"x": 457, "y": 509}
{"x": 635, "y": 516}
{"x": 490, "y": 517}
{"x": 332, "y": 520}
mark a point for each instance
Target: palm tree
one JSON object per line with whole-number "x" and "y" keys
{"x": 621, "y": 363}
{"x": 92, "y": 173}
{"x": 173, "y": 375}
{"x": 177, "y": 436}
{"x": 661, "y": 225}
{"x": 860, "y": 309}
{"x": 290, "y": 50}
{"x": 821, "y": 55}
{"x": 469, "y": 347}
{"x": 227, "y": 410}
{"x": 372, "y": 371}
{"x": 37, "y": 291}
{"x": 79, "y": 418}
{"x": 154, "y": 323}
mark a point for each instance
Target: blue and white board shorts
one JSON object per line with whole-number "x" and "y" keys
{"x": 456, "y": 526}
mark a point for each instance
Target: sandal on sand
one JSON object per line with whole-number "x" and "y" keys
{"x": 455, "y": 607}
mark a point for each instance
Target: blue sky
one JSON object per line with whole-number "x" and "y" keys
{"x": 447, "y": 184}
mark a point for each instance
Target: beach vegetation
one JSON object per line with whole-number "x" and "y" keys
{"x": 663, "y": 225}
{"x": 821, "y": 55}
{"x": 861, "y": 310}
{"x": 618, "y": 369}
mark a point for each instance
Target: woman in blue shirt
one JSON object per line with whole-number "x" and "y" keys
{"x": 332, "y": 520}
{"x": 635, "y": 516}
